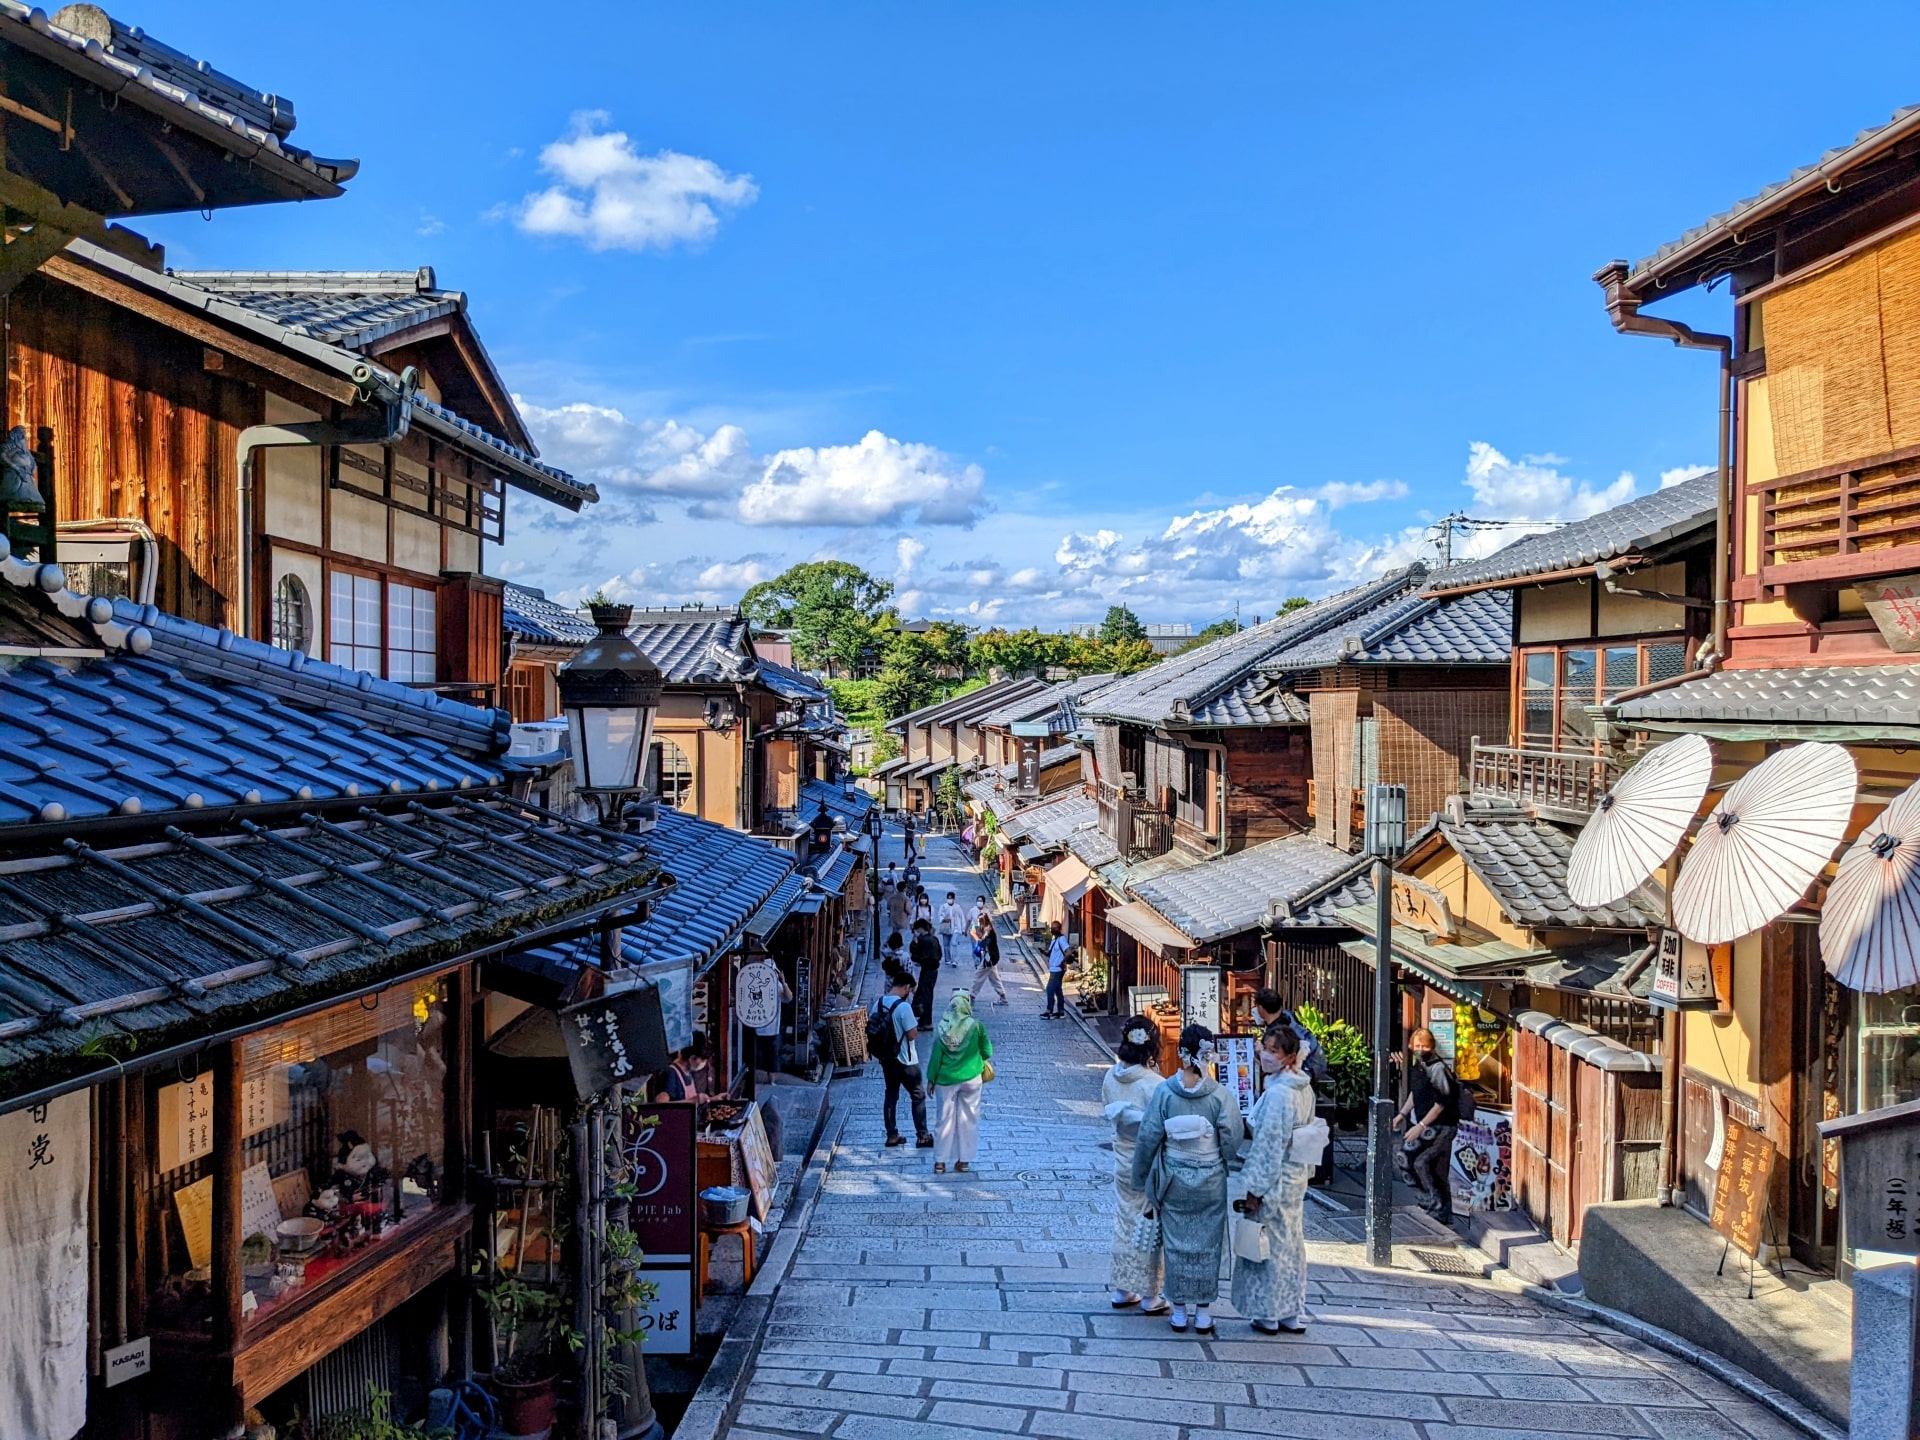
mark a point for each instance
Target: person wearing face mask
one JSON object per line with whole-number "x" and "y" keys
{"x": 1189, "y": 1135}
{"x": 1286, "y": 1145}
{"x": 1125, "y": 1091}
{"x": 1433, "y": 1094}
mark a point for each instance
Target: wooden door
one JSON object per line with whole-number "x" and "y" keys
{"x": 1560, "y": 1103}
{"x": 1531, "y": 1074}
{"x": 1592, "y": 1135}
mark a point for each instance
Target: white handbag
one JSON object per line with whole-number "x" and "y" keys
{"x": 1249, "y": 1239}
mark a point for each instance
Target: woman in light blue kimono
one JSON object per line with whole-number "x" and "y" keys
{"x": 1272, "y": 1293}
{"x": 1125, "y": 1091}
{"x": 1189, "y": 1135}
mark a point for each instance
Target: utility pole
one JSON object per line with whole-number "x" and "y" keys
{"x": 1386, "y": 838}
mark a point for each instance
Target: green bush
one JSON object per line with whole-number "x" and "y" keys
{"x": 1349, "y": 1061}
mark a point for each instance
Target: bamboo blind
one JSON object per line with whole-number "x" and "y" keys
{"x": 1332, "y": 719}
{"x": 402, "y": 1007}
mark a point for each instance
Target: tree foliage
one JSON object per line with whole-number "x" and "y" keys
{"x": 1019, "y": 652}
{"x": 1293, "y": 603}
{"x": 1121, "y": 625}
{"x": 835, "y": 611}
{"x": 1218, "y": 630}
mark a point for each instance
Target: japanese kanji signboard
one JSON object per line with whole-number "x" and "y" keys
{"x": 1880, "y": 1176}
{"x": 616, "y": 1039}
{"x": 1740, "y": 1193}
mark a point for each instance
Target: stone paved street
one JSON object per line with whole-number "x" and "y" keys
{"x": 925, "y": 1307}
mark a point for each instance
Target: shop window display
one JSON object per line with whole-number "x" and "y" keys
{"x": 343, "y": 1134}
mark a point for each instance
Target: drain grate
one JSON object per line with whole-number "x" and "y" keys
{"x": 1446, "y": 1262}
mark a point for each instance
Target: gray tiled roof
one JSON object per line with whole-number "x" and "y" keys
{"x": 1637, "y": 526}
{"x": 787, "y": 682}
{"x": 1231, "y": 895}
{"x": 1411, "y": 629}
{"x": 964, "y": 708}
{"x": 1852, "y": 695}
{"x": 530, "y": 614}
{"x": 1706, "y": 235}
{"x": 695, "y": 647}
{"x": 1523, "y": 861}
{"x": 1051, "y": 821}
{"x": 1041, "y": 703}
{"x": 1093, "y": 848}
{"x": 1182, "y": 688}
{"x": 354, "y": 308}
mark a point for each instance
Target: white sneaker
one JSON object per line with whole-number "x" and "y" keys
{"x": 1178, "y": 1320}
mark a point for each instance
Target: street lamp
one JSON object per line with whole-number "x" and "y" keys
{"x": 822, "y": 829}
{"x": 1386, "y": 840}
{"x": 876, "y": 827}
{"x": 610, "y": 692}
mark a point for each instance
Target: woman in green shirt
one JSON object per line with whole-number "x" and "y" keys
{"x": 958, "y": 1070}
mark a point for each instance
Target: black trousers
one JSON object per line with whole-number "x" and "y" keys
{"x": 1428, "y": 1168}
{"x": 908, "y": 1078}
{"x": 923, "y": 997}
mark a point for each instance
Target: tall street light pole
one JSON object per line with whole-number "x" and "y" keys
{"x": 1386, "y": 839}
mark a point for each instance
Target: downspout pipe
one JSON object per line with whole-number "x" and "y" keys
{"x": 385, "y": 426}
{"x": 1623, "y": 309}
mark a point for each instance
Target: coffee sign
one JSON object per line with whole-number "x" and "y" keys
{"x": 1682, "y": 972}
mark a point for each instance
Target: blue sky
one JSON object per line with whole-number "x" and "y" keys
{"x": 1036, "y": 307}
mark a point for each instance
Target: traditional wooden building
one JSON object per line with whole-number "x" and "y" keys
{"x": 942, "y": 736}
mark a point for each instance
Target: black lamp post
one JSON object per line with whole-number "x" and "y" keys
{"x": 610, "y": 692}
{"x": 822, "y": 829}
{"x": 1386, "y": 841}
{"x": 876, "y": 827}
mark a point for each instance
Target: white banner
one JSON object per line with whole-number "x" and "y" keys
{"x": 45, "y": 1164}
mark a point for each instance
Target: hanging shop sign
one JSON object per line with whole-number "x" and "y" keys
{"x": 1440, "y": 1022}
{"x": 756, "y": 995}
{"x": 1200, "y": 996}
{"x": 660, "y": 1155}
{"x": 1894, "y": 603}
{"x": 615, "y": 1039}
{"x": 1682, "y": 972}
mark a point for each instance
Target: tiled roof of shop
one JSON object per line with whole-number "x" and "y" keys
{"x": 694, "y": 646}
{"x": 1744, "y": 214}
{"x": 788, "y": 683}
{"x": 1851, "y": 695}
{"x": 1523, "y": 862}
{"x": 1042, "y": 703}
{"x": 721, "y": 878}
{"x": 354, "y": 308}
{"x": 1232, "y": 894}
{"x": 530, "y": 614}
{"x": 1051, "y": 821}
{"x": 1220, "y": 680}
{"x": 1633, "y": 528}
{"x": 850, "y": 808}
{"x": 176, "y": 716}
{"x": 983, "y": 701}
{"x": 1093, "y": 848}
{"x": 1411, "y": 629}
{"x": 101, "y": 966}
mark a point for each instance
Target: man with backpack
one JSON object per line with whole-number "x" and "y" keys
{"x": 1440, "y": 1101}
{"x": 891, "y": 1032}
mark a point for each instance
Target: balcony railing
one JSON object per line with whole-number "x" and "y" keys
{"x": 1560, "y": 784}
{"x": 1841, "y": 521}
{"x": 1137, "y": 828}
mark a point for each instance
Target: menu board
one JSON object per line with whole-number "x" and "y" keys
{"x": 1237, "y": 1068}
{"x": 756, "y": 1157}
{"x": 1741, "y": 1190}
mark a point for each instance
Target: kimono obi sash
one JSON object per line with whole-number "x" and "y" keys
{"x": 1191, "y": 1140}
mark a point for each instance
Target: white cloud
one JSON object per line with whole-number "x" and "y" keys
{"x": 1533, "y": 488}
{"x": 907, "y": 552}
{"x": 1680, "y": 474}
{"x": 1338, "y": 493}
{"x": 612, "y": 197}
{"x": 879, "y": 481}
{"x": 656, "y": 457}
{"x": 1087, "y": 552}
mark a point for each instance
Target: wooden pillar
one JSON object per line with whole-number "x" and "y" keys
{"x": 227, "y": 1280}
{"x": 1773, "y": 1061}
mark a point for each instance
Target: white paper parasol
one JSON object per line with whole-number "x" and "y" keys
{"x": 1771, "y": 833}
{"x": 1640, "y": 822}
{"x": 1870, "y": 922}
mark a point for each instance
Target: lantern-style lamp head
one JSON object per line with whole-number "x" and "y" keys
{"x": 876, "y": 822}
{"x": 822, "y": 828}
{"x": 1386, "y": 813}
{"x": 610, "y": 692}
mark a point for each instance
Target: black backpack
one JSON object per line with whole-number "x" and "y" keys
{"x": 880, "y": 1023}
{"x": 1464, "y": 1107}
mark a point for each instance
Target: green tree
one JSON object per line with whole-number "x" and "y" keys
{"x": 1093, "y": 656}
{"x": 1121, "y": 624}
{"x": 1019, "y": 652}
{"x": 910, "y": 676}
{"x": 1293, "y": 603}
{"x": 834, "y": 611}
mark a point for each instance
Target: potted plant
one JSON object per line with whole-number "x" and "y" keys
{"x": 1349, "y": 1065}
{"x": 603, "y": 610}
{"x": 1093, "y": 986}
{"x": 525, "y": 1363}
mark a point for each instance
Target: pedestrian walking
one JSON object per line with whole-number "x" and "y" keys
{"x": 890, "y": 881}
{"x": 1189, "y": 1135}
{"x": 922, "y": 907}
{"x": 900, "y": 1059}
{"x": 1125, "y": 1091}
{"x": 1270, "y": 1009}
{"x": 958, "y": 1069}
{"x": 1434, "y": 1096}
{"x": 986, "y": 955}
{"x": 924, "y": 952}
{"x": 908, "y": 836}
{"x": 1271, "y": 1291}
{"x": 900, "y": 908}
{"x": 893, "y": 951}
{"x": 910, "y": 876}
{"x": 953, "y": 923}
{"x": 1059, "y": 951}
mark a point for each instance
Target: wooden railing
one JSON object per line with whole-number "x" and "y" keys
{"x": 1561, "y": 784}
{"x": 1126, "y": 819}
{"x": 1841, "y": 521}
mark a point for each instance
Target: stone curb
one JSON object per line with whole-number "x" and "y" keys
{"x": 710, "y": 1413}
{"x": 1723, "y": 1370}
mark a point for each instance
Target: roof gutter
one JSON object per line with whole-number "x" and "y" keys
{"x": 384, "y": 427}
{"x": 1623, "y": 309}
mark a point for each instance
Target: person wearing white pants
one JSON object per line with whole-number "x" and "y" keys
{"x": 986, "y": 952}
{"x": 958, "y": 1070}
